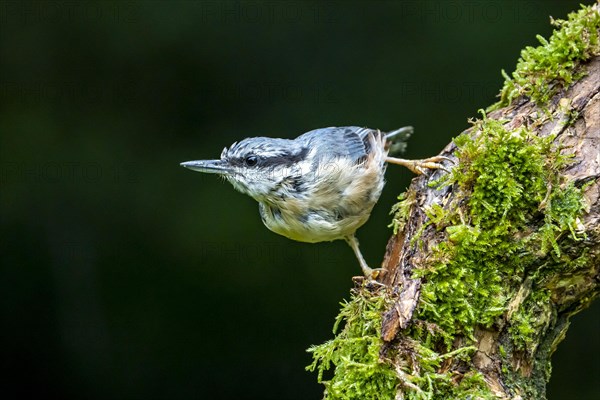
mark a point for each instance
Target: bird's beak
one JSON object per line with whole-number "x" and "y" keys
{"x": 208, "y": 166}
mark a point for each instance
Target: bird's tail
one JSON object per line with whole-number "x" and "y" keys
{"x": 397, "y": 139}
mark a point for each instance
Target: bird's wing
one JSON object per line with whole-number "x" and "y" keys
{"x": 345, "y": 141}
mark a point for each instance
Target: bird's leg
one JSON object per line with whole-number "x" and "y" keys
{"x": 419, "y": 166}
{"x": 353, "y": 242}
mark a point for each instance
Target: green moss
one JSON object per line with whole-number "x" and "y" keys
{"x": 422, "y": 375}
{"x": 509, "y": 208}
{"x": 542, "y": 71}
{"x": 362, "y": 372}
{"x": 401, "y": 211}
{"x": 471, "y": 386}
{"x": 531, "y": 320}
{"x": 354, "y": 352}
{"x": 503, "y": 177}
{"x": 501, "y": 351}
{"x": 506, "y": 182}
{"x": 562, "y": 213}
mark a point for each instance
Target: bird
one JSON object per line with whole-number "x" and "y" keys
{"x": 320, "y": 186}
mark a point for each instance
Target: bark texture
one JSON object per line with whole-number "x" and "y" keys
{"x": 573, "y": 116}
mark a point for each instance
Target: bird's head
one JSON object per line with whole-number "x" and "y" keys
{"x": 256, "y": 166}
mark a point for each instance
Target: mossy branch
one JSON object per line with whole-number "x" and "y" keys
{"x": 489, "y": 260}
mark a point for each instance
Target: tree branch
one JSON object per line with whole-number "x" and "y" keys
{"x": 490, "y": 259}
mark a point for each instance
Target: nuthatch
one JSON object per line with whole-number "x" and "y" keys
{"x": 318, "y": 187}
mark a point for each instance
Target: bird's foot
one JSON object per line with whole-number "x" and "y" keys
{"x": 371, "y": 284}
{"x": 419, "y": 166}
{"x": 373, "y": 273}
{"x": 369, "y": 273}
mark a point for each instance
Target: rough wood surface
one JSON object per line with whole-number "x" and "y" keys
{"x": 403, "y": 256}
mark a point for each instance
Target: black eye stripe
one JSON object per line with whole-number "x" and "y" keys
{"x": 287, "y": 159}
{"x": 282, "y": 159}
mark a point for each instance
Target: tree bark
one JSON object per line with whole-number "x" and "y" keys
{"x": 573, "y": 116}
{"x": 491, "y": 255}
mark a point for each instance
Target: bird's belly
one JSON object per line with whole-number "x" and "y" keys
{"x": 313, "y": 227}
{"x": 338, "y": 202}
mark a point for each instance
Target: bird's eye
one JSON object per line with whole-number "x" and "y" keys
{"x": 251, "y": 160}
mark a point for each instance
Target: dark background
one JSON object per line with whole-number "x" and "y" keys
{"x": 125, "y": 276}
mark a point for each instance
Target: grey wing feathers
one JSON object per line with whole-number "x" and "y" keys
{"x": 356, "y": 142}
{"x": 346, "y": 141}
{"x": 352, "y": 141}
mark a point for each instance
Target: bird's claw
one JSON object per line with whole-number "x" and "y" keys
{"x": 373, "y": 273}
{"x": 420, "y": 166}
{"x": 370, "y": 276}
{"x": 431, "y": 163}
